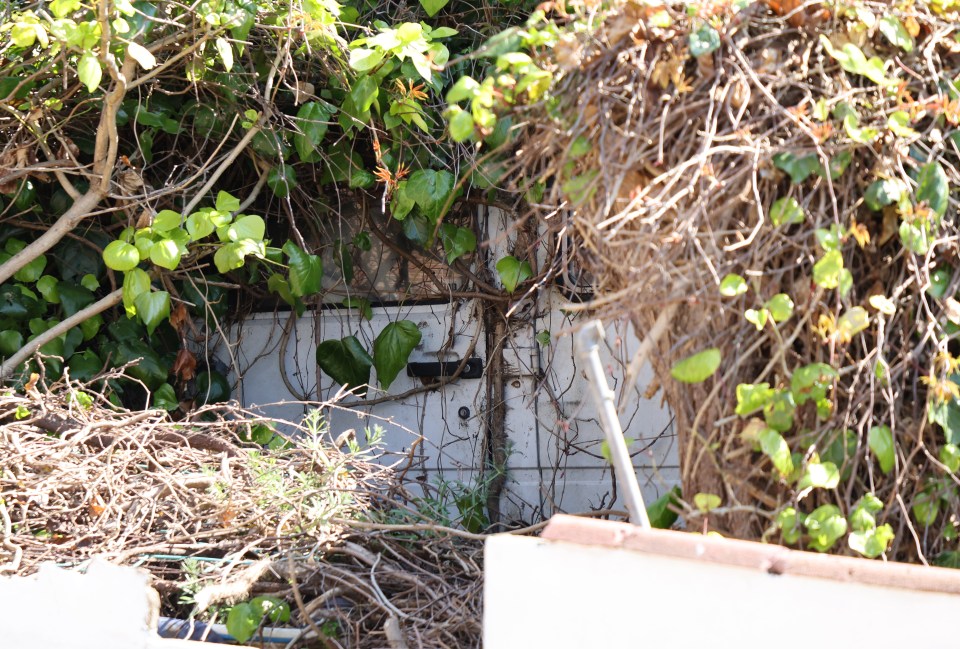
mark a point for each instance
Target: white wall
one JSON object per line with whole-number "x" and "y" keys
{"x": 561, "y": 595}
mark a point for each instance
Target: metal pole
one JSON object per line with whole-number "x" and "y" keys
{"x": 589, "y": 352}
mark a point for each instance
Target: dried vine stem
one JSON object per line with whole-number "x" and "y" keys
{"x": 676, "y": 191}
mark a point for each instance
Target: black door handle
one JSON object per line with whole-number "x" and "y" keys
{"x": 472, "y": 369}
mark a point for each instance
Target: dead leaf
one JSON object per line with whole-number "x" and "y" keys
{"x": 912, "y": 26}
{"x": 144, "y": 219}
{"x": 568, "y": 52}
{"x": 891, "y": 224}
{"x": 228, "y": 515}
{"x": 951, "y": 309}
{"x": 750, "y": 434}
{"x": 31, "y": 385}
{"x": 185, "y": 365}
{"x": 68, "y": 149}
{"x": 96, "y": 506}
{"x": 799, "y": 13}
{"x": 179, "y": 317}
{"x": 303, "y": 91}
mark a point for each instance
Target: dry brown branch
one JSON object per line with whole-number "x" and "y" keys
{"x": 676, "y": 191}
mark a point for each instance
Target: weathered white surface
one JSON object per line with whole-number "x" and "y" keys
{"x": 450, "y": 446}
{"x": 554, "y": 437}
{"x": 540, "y": 593}
{"x": 109, "y": 607}
{"x": 556, "y": 462}
{"x": 554, "y": 457}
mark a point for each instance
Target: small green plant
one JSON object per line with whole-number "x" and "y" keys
{"x": 245, "y": 618}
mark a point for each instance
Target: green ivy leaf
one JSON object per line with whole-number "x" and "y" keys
{"x": 880, "y": 441}
{"x": 732, "y": 285}
{"x": 581, "y": 187}
{"x": 863, "y": 516}
{"x": 812, "y": 382}
{"x": 89, "y": 71}
{"x": 282, "y": 180}
{"x": 939, "y": 282}
{"x": 91, "y": 327}
{"x": 798, "y": 168}
{"x": 306, "y": 270}
{"x": 780, "y": 307}
{"x": 165, "y": 220}
{"x": 312, "y": 125}
{"x": 432, "y": 7}
{"x": 775, "y": 447}
{"x": 894, "y": 31}
{"x": 544, "y": 338}
{"x": 789, "y": 523}
{"x": 884, "y": 192}
{"x": 822, "y": 476}
{"x": 853, "y": 321}
{"x": 916, "y": 236}
{"x": 950, "y": 457}
{"x": 706, "y": 503}
{"x": 899, "y": 124}
{"x": 418, "y": 229}
{"x": 47, "y": 286}
{"x": 926, "y": 507}
{"x": 457, "y": 241}
{"x": 74, "y": 297}
{"x": 90, "y": 282}
{"x": 166, "y": 254}
{"x": 362, "y": 305}
{"x": 461, "y": 122}
{"x": 61, "y": 8}
{"x": 275, "y": 610}
{"x": 871, "y": 543}
{"x": 824, "y": 526}
{"x": 242, "y": 622}
{"x": 363, "y": 59}
{"x": 753, "y": 397}
{"x": 212, "y": 387}
{"x": 392, "y": 349}
{"x": 861, "y": 135}
{"x": 430, "y": 190}
{"x": 933, "y": 188}
{"x": 786, "y": 211}
{"x": 227, "y": 202}
{"x": 147, "y": 366}
{"x": 135, "y": 283}
{"x": 513, "y": 272}
{"x": 10, "y": 342}
{"x": 346, "y": 362}
{"x": 838, "y": 164}
{"x": 779, "y": 410}
{"x": 152, "y": 309}
{"x": 757, "y": 318}
{"x": 32, "y": 271}
{"x": 661, "y": 516}
{"x": 121, "y": 256}
{"x": 705, "y": 40}
{"x": 826, "y": 272}
{"x": 698, "y": 367}
{"x": 84, "y": 365}
{"x": 247, "y": 226}
{"x": 852, "y": 59}
{"x": 200, "y": 225}
{"x": 465, "y": 88}
{"x": 277, "y": 284}
{"x": 165, "y": 398}
{"x": 233, "y": 255}
{"x": 143, "y": 241}
{"x": 225, "y": 51}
